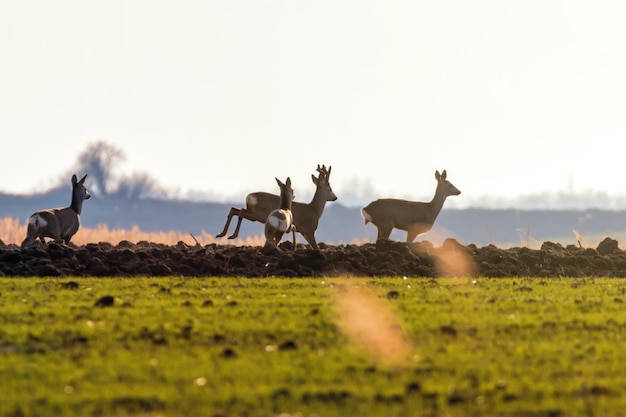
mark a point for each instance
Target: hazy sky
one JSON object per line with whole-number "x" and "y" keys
{"x": 219, "y": 97}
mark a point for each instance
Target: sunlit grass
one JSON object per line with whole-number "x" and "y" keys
{"x": 265, "y": 346}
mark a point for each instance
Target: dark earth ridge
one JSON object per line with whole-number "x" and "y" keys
{"x": 384, "y": 258}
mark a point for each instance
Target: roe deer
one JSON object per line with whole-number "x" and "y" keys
{"x": 306, "y": 216}
{"x": 59, "y": 223}
{"x": 415, "y": 217}
{"x": 280, "y": 220}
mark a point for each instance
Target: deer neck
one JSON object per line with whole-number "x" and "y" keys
{"x": 436, "y": 204}
{"x": 318, "y": 202}
{"x": 77, "y": 203}
{"x": 285, "y": 202}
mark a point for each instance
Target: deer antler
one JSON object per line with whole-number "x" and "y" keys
{"x": 324, "y": 173}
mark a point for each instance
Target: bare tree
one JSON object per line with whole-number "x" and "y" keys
{"x": 99, "y": 159}
{"x": 137, "y": 186}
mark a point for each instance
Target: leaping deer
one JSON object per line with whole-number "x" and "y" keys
{"x": 59, "y": 223}
{"x": 306, "y": 216}
{"x": 415, "y": 217}
{"x": 280, "y": 220}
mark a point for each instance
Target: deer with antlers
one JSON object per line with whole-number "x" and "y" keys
{"x": 59, "y": 223}
{"x": 415, "y": 217}
{"x": 306, "y": 216}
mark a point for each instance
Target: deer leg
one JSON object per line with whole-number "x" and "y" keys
{"x": 293, "y": 231}
{"x": 384, "y": 231}
{"x": 30, "y": 237}
{"x": 27, "y": 241}
{"x": 231, "y": 213}
{"x": 411, "y": 235}
{"x": 275, "y": 238}
{"x": 251, "y": 215}
{"x": 416, "y": 230}
{"x": 236, "y": 232}
{"x": 310, "y": 238}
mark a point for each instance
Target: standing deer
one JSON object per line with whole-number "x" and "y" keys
{"x": 306, "y": 216}
{"x": 415, "y": 217}
{"x": 280, "y": 220}
{"x": 59, "y": 223}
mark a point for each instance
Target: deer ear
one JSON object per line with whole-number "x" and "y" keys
{"x": 437, "y": 175}
{"x": 288, "y": 182}
{"x": 280, "y": 184}
{"x": 74, "y": 179}
{"x": 444, "y": 174}
{"x": 82, "y": 180}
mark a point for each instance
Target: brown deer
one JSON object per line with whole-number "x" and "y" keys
{"x": 59, "y": 223}
{"x": 306, "y": 216}
{"x": 280, "y": 220}
{"x": 415, "y": 217}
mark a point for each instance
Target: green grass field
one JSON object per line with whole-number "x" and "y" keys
{"x": 312, "y": 347}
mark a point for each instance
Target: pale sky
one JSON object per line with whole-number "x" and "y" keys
{"x": 219, "y": 97}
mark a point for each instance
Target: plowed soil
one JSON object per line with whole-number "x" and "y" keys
{"x": 384, "y": 258}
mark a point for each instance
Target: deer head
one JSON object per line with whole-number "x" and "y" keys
{"x": 286, "y": 193}
{"x": 322, "y": 182}
{"x": 445, "y": 187}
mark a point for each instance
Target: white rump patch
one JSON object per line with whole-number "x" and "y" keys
{"x": 366, "y": 216}
{"x": 277, "y": 223}
{"x": 37, "y": 220}
{"x": 251, "y": 200}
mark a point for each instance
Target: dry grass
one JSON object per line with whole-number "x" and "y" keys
{"x": 12, "y": 231}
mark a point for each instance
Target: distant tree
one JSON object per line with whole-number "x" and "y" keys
{"x": 99, "y": 160}
{"x": 139, "y": 185}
